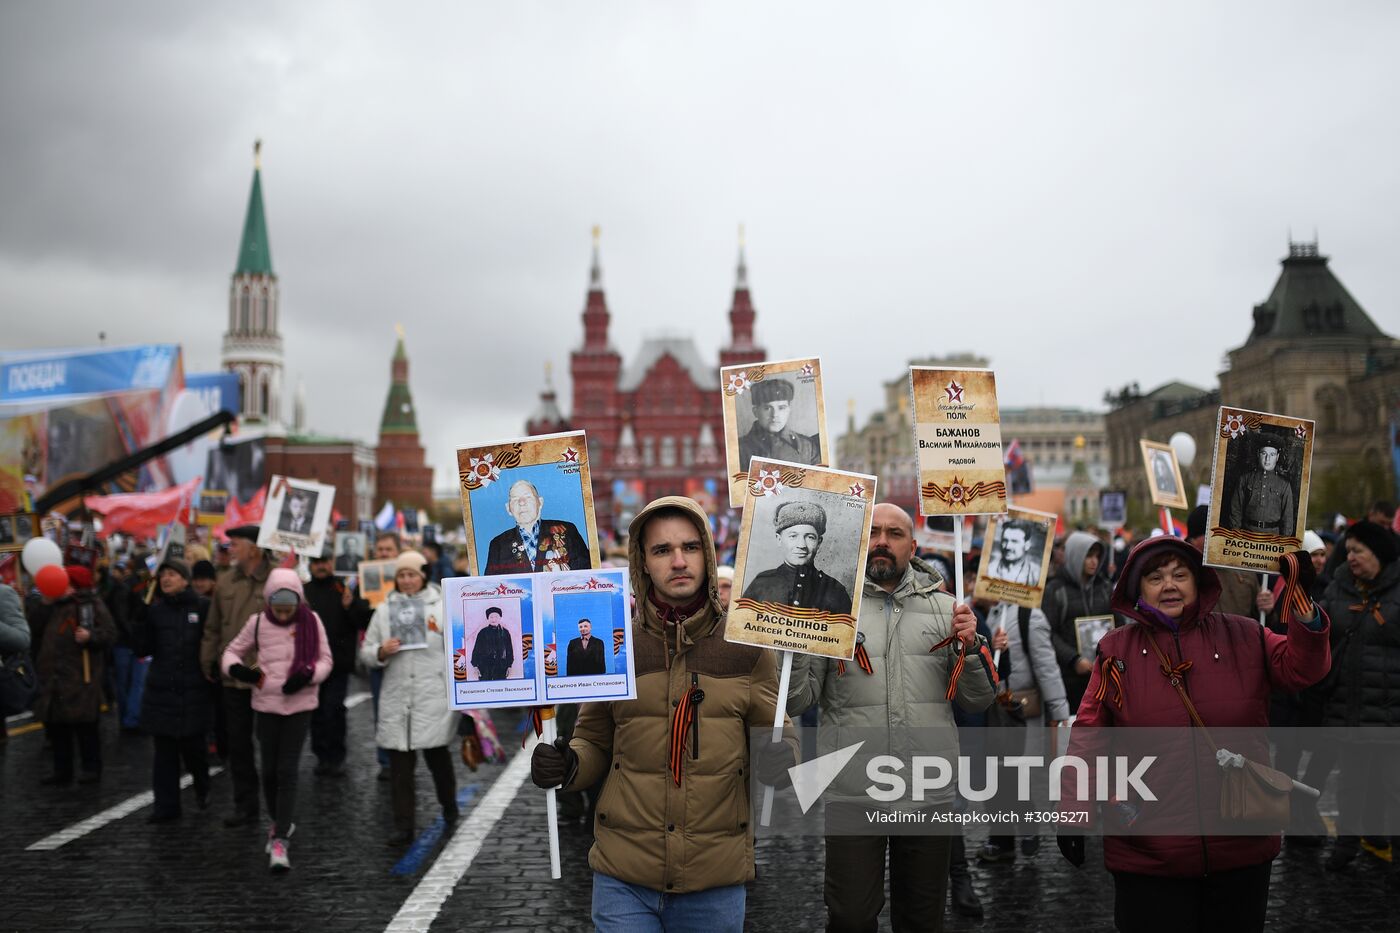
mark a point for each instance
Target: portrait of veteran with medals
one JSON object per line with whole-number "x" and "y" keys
{"x": 770, "y": 437}
{"x": 797, "y": 582}
{"x": 1263, "y": 500}
{"x": 535, "y": 545}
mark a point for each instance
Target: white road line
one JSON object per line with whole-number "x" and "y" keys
{"x": 93, "y": 823}
{"x": 423, "y": 905}
{"x": 355, "y": 699}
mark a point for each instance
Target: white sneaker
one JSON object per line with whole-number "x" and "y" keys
{"x": 277, "y": 856}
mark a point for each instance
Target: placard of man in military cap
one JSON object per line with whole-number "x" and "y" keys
{"x": 770, "y": 437}
{"x": 797, "y": 582}
{"x": 1263, "y": 500}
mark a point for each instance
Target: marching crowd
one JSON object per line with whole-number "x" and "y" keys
{"x": 243, "y": 653}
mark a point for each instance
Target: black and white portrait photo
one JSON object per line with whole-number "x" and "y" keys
{"x": 1016, "y": 553}
{"x": 349, "y": 551}
{"x": 1262, "y": 482}
{"x": 407, "y": 622}
{"x": 1113, "y": 508}
{"x": 803, "y": 551}
{"x": 780, "y": 423}
{"x": 298, "y": 510}
{"x": 1164, "y": 484}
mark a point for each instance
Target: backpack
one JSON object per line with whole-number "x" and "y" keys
{"x": 18, "y": 683}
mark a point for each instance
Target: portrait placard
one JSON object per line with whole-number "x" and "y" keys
{"x": 1260, "y": 473}
{"x": 801, "y": 558}
{"x": 528, "y": 505}
{"x": 376, "y": 580}
{"x": 212, "y": 505}
{"x": 1016, "y": 561}
{"x": 407, "y": 622}
{"x": 297, "y": 515}
{"x": 351, "y": 547}
{"x": 1087, "y": 632}
{"x": 1163, "y": 475}
{"x": 505, "y": 633}
{"x": 773, "y": 410}
{"x": 957, "y": 436}
{"x": 16, "y": 528}
{"x": 1113, "y": 508}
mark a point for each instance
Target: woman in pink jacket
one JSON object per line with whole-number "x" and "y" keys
{"x": 286, "y": 645}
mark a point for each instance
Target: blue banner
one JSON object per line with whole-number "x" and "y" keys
{"x": 67, "y": 373}
{"x": 218, "y": 391}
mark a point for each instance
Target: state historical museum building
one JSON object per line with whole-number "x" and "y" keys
{"x": 654, "y": 424}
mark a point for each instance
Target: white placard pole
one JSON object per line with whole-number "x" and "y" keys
{"x": 1263, "y": 588}
{"x": 779, "y": 709}
{"x": 551, "y": 803}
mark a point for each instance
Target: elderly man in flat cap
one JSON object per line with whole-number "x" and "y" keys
{"x": 1263, "y": 501}
{"x": 797, "y": 581}
{"x": 770, "y": 437}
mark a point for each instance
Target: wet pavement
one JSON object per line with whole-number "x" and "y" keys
{"x": 123, "y": 873}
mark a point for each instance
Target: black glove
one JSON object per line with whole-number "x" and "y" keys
{"x": 296, "y": 682}
{"x": 245, "y": 674}
{"x": 771, "y": 761}
{"x": 553, "y": 765}
{"x": 1296, "y": 568}
{"x": 1072, "y": 848}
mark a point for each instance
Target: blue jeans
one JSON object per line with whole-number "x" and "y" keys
{"x": 619, "y": 907}
{"x": 130, "y": 673}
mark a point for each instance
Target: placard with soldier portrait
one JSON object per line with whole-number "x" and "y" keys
{"x": 1260, "y": 475}
{"x": 528, "y": 505}
{"x": 773, "y": 410}
{"x": 376, "y": 580}
{"x": 297, "y": 515}
{"x": 957, "y": 437}
{"x": 1163, "y": 475}
{"x": 801, "y": 558}
{"x": 1016, "y": 561}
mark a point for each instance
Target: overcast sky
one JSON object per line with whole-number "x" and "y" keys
{"x": 1089, "y": 193}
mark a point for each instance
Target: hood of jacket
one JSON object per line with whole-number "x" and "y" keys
{"x": 1077, "y": 547}
{"x": 636, "y": 560}
{"x": 1125, "y": 594}
{"x": 283, "y": 578}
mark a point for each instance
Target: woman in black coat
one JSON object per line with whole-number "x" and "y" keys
{"x": 176, "y": 702}
{"x": 1363, "y": 601}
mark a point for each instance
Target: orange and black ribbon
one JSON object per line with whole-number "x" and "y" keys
{"x": 537, "y": 722}
{"x": 862, "y": 660}
{"x": 681, "y": 724}
{"x": 1375, "y": 608}
{"x": 1110, "y": 674}
{"x": 1296, "y": 601}
{"x": 1174, "y": 674}
{"x": 958, "y": 666}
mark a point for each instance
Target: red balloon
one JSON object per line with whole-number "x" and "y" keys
{"x": 52, "y": 581}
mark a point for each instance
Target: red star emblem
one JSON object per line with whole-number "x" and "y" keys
{"x": 953, "y": 391}
{"x": 807, "y": 369}
{"x": 570, "y": 455}
{"x": 857, "y": 490}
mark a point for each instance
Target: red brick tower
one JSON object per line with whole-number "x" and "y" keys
{"x": 404, "y": 477}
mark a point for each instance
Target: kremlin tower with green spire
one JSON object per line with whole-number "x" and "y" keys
{"x": 405, "y": 479}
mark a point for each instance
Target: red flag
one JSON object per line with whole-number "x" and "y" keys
{"x": 141, "y": 514}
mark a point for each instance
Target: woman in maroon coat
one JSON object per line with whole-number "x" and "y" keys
{"x": 1173, "y": 866}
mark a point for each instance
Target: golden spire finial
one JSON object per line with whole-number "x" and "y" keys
{"x": 548, "y": 372}
{"x": 741, "y": 236}
{"x": 597, "y": 235}
{"x": 257, "y": 154}
{"x": 851, "y": 406}
{"x": 398, "y": 329}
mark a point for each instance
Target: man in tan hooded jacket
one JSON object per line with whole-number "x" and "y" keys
{"x": 674, "y": 828}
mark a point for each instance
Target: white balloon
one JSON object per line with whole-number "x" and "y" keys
{"x": 39, "y": 553}
{"x": 1185, "y": 447}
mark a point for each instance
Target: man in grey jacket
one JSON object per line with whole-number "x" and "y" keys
{"x": 898, "y": 707}
{"x": 1033, "y": 667}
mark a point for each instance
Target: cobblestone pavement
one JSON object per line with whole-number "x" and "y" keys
{"x": 197, "y": 875}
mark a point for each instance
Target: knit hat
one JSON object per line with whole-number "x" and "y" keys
{"x": 1313, "y": 542}
{"x": 411, "y": 560}
{"x": 724, "y": 572}
{"x": 79, "y": 576}
{"x": 177, "y": 565}
{"x": 203, "y": 570}
{"x": 800, "y": 513}
{"x": 771, "y": 390}
{"x": 1380, "y": 540}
